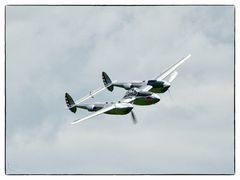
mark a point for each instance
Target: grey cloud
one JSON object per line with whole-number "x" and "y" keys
{"x": 53, "y": 50}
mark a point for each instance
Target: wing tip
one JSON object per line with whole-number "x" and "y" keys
{"x": 72, "y": 123}
{"x": 186, "y": 58}
{"x": 76, "y": 121}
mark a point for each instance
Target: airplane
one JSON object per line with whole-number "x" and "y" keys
{"x": 138, "y": 93}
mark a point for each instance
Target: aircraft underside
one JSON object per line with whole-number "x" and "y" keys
{"x": 159, "y": 90}
{"x": 145, "y": 101}
{"x": 119, "y": 111}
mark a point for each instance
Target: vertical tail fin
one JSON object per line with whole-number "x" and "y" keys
{"x": 70, "y": 103}
{"x": 107, "y": 81}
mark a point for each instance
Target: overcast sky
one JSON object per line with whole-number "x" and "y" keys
{"x": 53, "y": 50}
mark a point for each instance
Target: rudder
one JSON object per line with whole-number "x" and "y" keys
{"x": 70, "y": 103}
{"x": 107, "y": 81}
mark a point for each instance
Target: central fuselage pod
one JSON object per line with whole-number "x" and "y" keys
{"x": 141, "y": 97}
{"x": 120, "y": 109}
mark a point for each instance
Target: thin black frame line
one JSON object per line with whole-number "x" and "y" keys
{"x": 234, "y": 79}
{"x": 139, "y": 174}
{"x": 5, "y": 90}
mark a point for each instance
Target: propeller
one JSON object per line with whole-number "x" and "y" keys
{"x": 133, "y": 117}
{"x": 173, "y": 76}
{"x": 170, "y": 94}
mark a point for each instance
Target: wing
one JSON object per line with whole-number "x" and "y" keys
{"x": 91, "y": 94}
{"x": 128, "y": 99}
{"x": 103, "y": 110}
{"x": 171, "y": 69}
{"x": 165, "y": 73}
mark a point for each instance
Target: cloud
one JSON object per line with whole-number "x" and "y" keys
{"x": 53, "y": 50}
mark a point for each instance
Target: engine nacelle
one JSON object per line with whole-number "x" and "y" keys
{"x": 91, "y": 108}
{"x": 155, "y": 83}
{"x": 158, "y": 86}
{"x": 127, "y": 86}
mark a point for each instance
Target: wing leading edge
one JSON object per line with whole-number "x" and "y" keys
{"x": 171, "y": 69}
{"x": 91, "y": 94}
{"x": 101, "y": 111}
{"x": 168, "y": 71}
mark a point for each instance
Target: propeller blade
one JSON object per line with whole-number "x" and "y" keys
{"x": 133, "y": 118}
{"x": 170, "y": 94}
{"x": 173, "y": 76}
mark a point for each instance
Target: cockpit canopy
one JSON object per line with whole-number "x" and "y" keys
{"x": 144, "y": 93}
{"x": 131, "y": 92}
{"x": 136, "y": 92}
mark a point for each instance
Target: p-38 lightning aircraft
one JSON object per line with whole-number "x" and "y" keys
{"x": 138, "y": 93}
